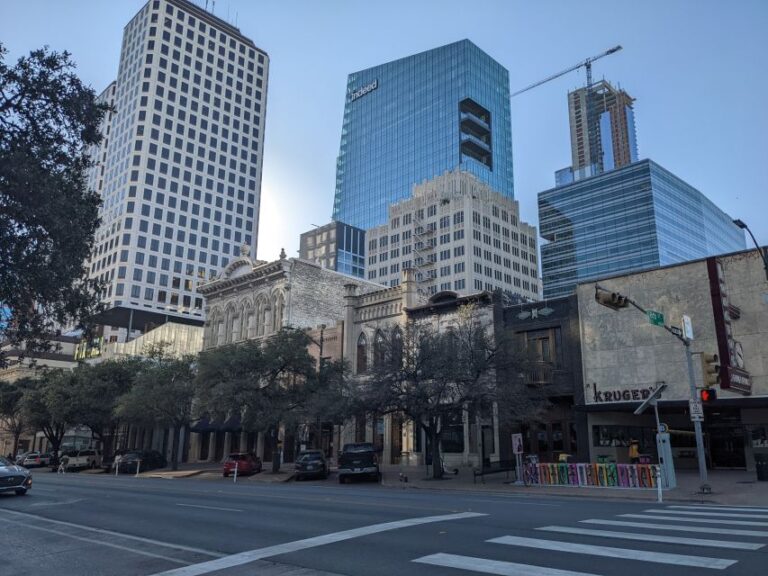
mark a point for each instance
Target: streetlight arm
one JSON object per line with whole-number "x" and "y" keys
{"x": 763, "y": 252}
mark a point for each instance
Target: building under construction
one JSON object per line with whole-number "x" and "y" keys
{"x": 612, "y": 143}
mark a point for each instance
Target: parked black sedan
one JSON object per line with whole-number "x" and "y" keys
{"x": 311, "y": 464}
{"x": 128, "y": 463}
{"x": 14, "y": 478}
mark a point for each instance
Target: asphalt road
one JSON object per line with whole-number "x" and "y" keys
{"x": 80, "y": 525}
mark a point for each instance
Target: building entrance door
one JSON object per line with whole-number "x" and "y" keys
{"x": 726, "y": 447}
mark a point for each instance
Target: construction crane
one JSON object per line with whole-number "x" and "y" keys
{"x": 585, "y": 63}
{"x": 592, "y": 137}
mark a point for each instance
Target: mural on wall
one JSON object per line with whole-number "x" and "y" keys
{"x": 733, "y": 373}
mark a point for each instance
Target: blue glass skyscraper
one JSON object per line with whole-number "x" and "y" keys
{"x": 416, "y": 118}
{"x": 633, "y": 218}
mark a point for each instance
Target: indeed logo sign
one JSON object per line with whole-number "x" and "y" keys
{"x": 364, "y": 90}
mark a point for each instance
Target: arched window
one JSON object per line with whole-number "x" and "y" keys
{"x": 379, "y": 350}
{"x": 397, "y": 347}
{"x": 362, "y": 354}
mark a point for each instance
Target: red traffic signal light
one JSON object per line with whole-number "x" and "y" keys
{"x": 708, "y": 395}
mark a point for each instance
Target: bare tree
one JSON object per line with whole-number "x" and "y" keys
{"x": 429, "y": 373}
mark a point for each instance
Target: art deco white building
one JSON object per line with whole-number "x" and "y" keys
{"x": 179, "y": 170}
{"x": 459, "y": 235}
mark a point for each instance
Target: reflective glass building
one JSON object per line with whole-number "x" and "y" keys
{"x": 634, "y": 218}
{"x": 410, "y": 120}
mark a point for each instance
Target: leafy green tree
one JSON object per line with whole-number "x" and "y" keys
{"x": 11, "y": 408}
{"x": 48, "y": 217}
{"x": 48, "y": 406}
{"x": 96, "y": 394}
{"x": 162, "y": 394}
{"x": 267, "y": 384}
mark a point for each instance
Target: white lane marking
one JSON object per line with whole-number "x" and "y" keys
{"x": 62, "y": 503}
{"x": 673, "y": 528}
{"x": 120, "y": 534}
{"x": 251, "y": 555}
{"x": 493, "y": 566}
{"x": 720, "y": 508}
{"x": 623, "y": 553}
{"x": 699, "y": 520}
{"x": 210, "y": 507}
{"x": 655, "y": 538}
{"x": 101, "y": 543}
{"x": 717, "y": 514}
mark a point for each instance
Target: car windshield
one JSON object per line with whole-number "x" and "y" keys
{"x": 5, "y": 461}
{"x": 238, "y": 457}
{"x": 365, "y": 447}
{"x": 310, "y": 456}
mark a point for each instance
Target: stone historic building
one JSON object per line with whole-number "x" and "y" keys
{"x": 471, "y": 437}
{"x": 252, "y": 299}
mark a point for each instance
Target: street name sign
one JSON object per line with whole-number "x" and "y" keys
{"x": 655, "y": 318}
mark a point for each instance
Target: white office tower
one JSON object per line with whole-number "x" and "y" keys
{"x": 179, "y": 170}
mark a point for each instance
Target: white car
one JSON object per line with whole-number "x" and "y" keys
{"x": 78, "y": 459}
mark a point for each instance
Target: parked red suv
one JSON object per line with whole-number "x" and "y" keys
{"x": 246, "y": 463}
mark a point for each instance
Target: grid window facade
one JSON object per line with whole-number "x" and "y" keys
{"x": 179, "y": 169}
{"x": 464, "y": 262}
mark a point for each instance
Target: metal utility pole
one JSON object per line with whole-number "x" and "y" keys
{"x": 615, "y": 301}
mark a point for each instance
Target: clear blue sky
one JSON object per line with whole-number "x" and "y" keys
{"x": 696, "y": 67}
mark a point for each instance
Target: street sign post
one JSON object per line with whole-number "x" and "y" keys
{"x": 655, "y": 318}
{"x": 696, "y": 409}
{"x": 517, "y": 450}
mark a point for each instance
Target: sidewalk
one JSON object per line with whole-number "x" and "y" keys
{"x": 730, "y": 487}
{"x": 213, "y": 471}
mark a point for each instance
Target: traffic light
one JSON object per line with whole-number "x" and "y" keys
{"x": 611, "y": 299}
{"x": 708, "y": 395}
{"x": 710, "y": 370}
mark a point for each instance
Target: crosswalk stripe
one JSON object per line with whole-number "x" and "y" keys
{"x": 718, "y": 514}
{"x": 487, "y": 566}
{"x": 719, "y": 508}
{"x": 674, "y": 528}
{"x": 654, "y": 538}
{"x": 700, "y": 520}
{"x": 623, "y": 553}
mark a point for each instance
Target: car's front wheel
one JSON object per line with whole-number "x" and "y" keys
{"x": 21, "y": 492}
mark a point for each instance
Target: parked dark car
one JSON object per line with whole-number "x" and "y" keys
{"x": 129, "y": 462}
{"x": 14, "y": 478}
{"x": 246, "y": 463}
{"x": 358, "y": 460}
{"x": 311, "y": 464}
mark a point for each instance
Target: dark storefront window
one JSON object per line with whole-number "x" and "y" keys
{"x": 453, "y": 433}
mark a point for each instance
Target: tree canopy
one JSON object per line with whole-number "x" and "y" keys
{"x": 48, "y": 217}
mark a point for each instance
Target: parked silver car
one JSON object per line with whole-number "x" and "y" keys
{"x": 14, "y": 478}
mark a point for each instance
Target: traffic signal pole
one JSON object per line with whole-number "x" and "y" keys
{"x": 696, "y": 423}
{"x": 616, "y": 301}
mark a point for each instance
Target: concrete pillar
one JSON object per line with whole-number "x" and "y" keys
{"x": 243, "y": 441}
{"x": 349, "y": 343}
{"x": 227, "y": 442}
{"x": 387, "y": 452}
{"x": 211, "y": 447}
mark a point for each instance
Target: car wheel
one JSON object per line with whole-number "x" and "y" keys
{"x": 226, "y": 474}
{"x": 21, "y": 492}
{"x": 342, "y": 479}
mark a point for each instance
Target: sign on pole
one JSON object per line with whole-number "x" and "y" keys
{"x": 687, "y": 327}
{"x": 517, "y": 443}
{"x": 655, "y": 318}
{"x": 696, "y": 409}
